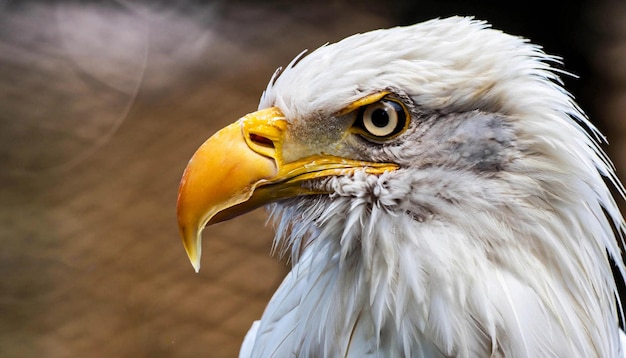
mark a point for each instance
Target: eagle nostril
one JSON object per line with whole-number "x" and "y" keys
{"x": 262, "y": 141}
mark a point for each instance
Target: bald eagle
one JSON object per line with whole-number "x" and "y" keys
{"x": 438, "y": 193}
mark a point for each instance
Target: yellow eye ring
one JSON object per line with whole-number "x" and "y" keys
{"x": 381, "y": 120}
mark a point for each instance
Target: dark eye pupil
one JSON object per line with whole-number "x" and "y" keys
{"x": 380, "y": 117}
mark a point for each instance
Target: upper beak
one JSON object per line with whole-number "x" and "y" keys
{"x": 241, "y": 168}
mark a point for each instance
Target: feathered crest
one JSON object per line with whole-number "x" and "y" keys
{"x": 502, "y": 263}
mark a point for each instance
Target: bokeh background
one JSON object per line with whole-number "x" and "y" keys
{"x": 102, "y": 103}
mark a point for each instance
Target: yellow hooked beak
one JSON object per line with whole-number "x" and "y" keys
{"x": 241, "y": 168}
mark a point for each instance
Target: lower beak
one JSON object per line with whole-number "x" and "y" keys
{"x": 241, "y": 168}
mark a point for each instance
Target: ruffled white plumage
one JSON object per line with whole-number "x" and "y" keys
{"x": 438, "y": 259}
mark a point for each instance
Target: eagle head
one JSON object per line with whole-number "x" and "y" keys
{"x": 438, "y": 192}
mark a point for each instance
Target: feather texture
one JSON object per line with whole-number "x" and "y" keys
{"x": 492, "y": 239}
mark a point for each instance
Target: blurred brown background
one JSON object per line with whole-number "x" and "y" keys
{"x": 102, "y": 103}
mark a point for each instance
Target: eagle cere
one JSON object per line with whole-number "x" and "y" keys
{"x": 438, "y": 192}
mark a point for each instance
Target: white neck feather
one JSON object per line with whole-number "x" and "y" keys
{"x": 386, "y": 263}
{"x": 443, "y": 260}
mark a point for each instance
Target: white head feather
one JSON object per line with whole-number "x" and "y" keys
{"x": 492, "y": 238}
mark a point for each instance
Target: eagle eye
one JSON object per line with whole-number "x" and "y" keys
{"x": 381, "y": 120}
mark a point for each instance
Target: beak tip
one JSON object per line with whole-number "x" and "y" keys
{"x": 194, "y": 258}
{"x": 192, "y": 242}
{"x": 196, "y": 265}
